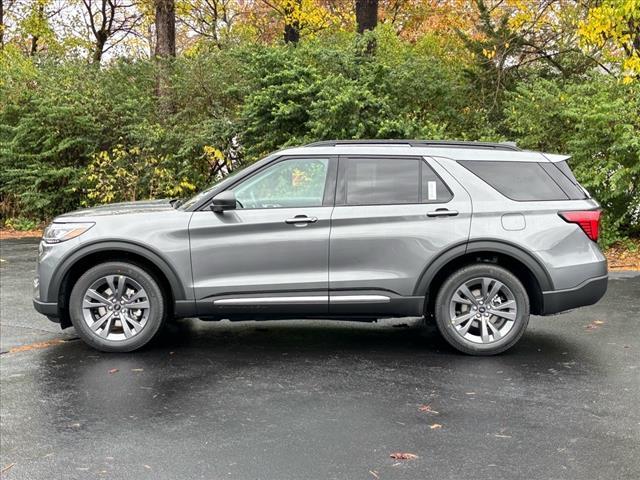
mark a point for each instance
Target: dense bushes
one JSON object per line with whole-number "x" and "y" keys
{"x": 72, "y": 134}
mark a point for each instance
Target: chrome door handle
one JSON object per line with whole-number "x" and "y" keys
{"x": 301, "y": 219}
{"x": 442, "y": 212}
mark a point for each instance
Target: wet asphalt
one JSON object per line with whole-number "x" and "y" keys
{"x": 319, "y": 400}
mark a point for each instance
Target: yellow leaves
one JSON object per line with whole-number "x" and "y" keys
{"x": 614, "y": 25}
{"x": 490, "y": 54}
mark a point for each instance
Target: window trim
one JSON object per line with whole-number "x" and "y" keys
{"x": 329, "y": 187}
{"x": 341, "y": 184}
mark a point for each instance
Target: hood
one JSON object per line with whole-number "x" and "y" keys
{"x": 144, "y": 206}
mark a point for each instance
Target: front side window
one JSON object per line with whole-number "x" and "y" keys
{"x": 297, "y": 182}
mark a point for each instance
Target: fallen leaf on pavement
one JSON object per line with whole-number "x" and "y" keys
{"x": 113, "y": 370}
{"x": 435, "y": 426}
{"x": 594, "y": 325}
{"x": 427, "y": 408}
{"x": 403, "y": 456}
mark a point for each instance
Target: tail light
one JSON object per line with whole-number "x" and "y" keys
{"x": 587, "y": 220}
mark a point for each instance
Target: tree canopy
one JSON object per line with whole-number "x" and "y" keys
{"x": 105, "y": 100}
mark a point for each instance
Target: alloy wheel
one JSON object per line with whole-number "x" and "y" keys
{"x": 483, "y": 310}
{"x": 115, "y": 307}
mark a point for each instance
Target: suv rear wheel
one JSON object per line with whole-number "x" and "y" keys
{"x": 482, "y": 309}
{"x": 117, "y": 307}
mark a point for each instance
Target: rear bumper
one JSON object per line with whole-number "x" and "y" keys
{"x": 587, "y": 293}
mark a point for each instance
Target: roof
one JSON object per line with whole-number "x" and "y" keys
{"x": 453, "y": 150}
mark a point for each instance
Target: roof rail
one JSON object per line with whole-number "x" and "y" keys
{"x": 420, "y": 143}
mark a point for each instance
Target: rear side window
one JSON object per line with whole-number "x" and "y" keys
{"x": 392, "y": 181}
{"x": 382, "y": 181}
{"x": 526, "y": 181}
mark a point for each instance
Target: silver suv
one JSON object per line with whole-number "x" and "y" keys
{"x": 476, "y": 236}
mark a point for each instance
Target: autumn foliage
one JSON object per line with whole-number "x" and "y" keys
{"x": 105, "y": 113}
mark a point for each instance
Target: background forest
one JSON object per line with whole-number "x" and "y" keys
{"x": 112, "y": 100}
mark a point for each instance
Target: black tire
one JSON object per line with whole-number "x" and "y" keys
{"x": 469, "y": 274}
{"x": 156, "y": 312}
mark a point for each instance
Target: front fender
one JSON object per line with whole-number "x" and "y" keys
{"x": 131, "y": 247}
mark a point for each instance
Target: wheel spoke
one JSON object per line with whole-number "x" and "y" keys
{"x": 458, "y": 299}
{"x": 91, "y": 293}
{"x": 467, "y": 293}
{"x": 125, "y": 326}
{"x": 502, "y": 306}
{"x": 484, "y": 333}
{"x": 494, "y": 291}
{"x": 133, "y": 322}
{"x": 142, "y": 304}
{"x": 463, "y": 331}
{"x": 494, "y": 330}
{"x": 111, "y": 285}
{"x": 462, "y": 318}
{"x": 105, "y": 331}
{"x": 137, "y": 295}
{"x": 507, "y": 315}
{"x": 98, "y": 323}
{"x": 485, "y": 287}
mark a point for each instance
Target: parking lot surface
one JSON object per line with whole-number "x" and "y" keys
{"x": 319, "y": 400}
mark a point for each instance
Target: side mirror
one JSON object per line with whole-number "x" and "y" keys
{"x": 223, "y": 201}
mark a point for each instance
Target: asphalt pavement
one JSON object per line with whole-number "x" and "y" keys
{"x": 319, "y": 400}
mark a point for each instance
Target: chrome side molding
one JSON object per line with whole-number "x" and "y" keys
{"x": 308, "y": 299}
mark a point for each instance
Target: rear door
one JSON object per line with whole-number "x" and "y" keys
{"x": 393, "y": 216}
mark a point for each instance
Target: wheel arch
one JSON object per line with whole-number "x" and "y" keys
{"x": 72, "y": 267}
{"x": 527, "y": 268}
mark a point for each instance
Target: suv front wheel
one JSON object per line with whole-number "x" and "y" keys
{"x": 117, "y": 307}
{"x": 482, "y": 309}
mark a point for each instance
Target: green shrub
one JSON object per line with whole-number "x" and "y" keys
{"x": 20, "y": 224}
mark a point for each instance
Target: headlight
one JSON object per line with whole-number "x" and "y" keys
{"x": 61, "y": 232}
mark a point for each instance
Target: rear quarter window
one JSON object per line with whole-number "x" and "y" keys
{"x": 526, "y": 181}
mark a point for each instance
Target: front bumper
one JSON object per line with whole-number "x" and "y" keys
{"x": 587, "y": 293}
{"x": 45, "y": 308}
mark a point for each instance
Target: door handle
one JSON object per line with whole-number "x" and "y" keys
{"x": 442, "y": 212}
{"x": 300, "y": 219}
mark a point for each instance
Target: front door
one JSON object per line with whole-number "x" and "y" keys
{"x": 393, "y": 216}
{"x": 271, "y": 254}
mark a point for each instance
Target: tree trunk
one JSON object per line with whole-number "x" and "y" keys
{"x": 291, "y": 25}
{"x": 1, "y": 24}
{"x": 366, "y": 15}
{"x": 165, "y": 50}
{"x": 34, "y": 45}
{"x": 165, "y": 28}
{"x": 98, "y": 49}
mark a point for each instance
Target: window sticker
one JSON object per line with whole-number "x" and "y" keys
{"x": 431, "y": 190}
